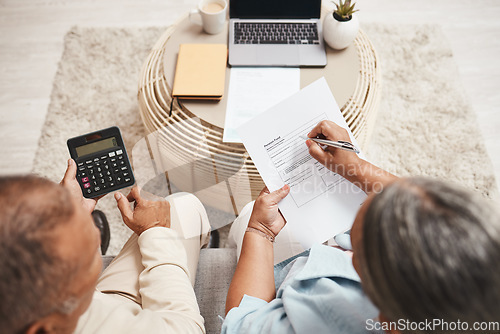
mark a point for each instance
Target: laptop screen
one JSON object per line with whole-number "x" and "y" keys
{"x": 274, "y": 9}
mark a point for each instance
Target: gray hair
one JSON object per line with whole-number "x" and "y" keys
{"x": 33, "y": 277}
{"x": 431, "y": 250}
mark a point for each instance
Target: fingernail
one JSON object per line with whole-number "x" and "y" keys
{"x": 70, "y": 162}
{"x": 308, "y": 142}
{"x": 118, "y": 196}
{"x": 286, "y": 187}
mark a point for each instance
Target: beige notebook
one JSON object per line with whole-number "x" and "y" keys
{"x": 200, "y": 72}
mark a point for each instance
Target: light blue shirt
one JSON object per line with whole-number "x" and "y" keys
{"x": 317, "y": 292}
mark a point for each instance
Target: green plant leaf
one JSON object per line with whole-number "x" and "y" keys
{"x": 345, "y": 8}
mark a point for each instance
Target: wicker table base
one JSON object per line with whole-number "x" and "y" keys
{"x": 190, "y": 150}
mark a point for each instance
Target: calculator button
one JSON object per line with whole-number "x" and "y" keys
{"x": 85, "y": 179}
{"x": 102, "y": 181}
{"x": 81, "y": 168}
{"x": 111, "y": 184}
{"x": 91, "y": 171}
{"x": 112, "y": 159}
{"x": 106, "y": 166}
{"x": 104, "y": 186}
{"x": 107, "y": 173}
{"x": 122, "y": 162}
{"x": 111, "y": 154}
{"x": 104, "y": 157}
{"x": 88, "y": 191}
{"x": 114, "y": 164}
{"x": 96, "y": 159}
{"x": 110, "y": 179}
{"x": 125, "y": 174}
{"x": 119, "y": 152}
{"x": 88, "y": 162}
{"x": 120, "y": 157}
{"x": 80, "y": 164}
{"x": 127, "y": 179}
{"x": 98, "y": 169}
{"x": 86, "y": 185}
{"x": 101, "y": 175}
{"x": 97, "y": 189}
{"x": 90, "y": 166}
{"x": 124, "y": 168}
{"x": 95, "y": 183}
{"x": 92, "y": 177}
{"x": 119, "y": 179}
{"x": 82, "y": 174}
{"x": 116, "y": 170}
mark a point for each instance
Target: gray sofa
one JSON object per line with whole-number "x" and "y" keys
{"x": 215, "y": 271}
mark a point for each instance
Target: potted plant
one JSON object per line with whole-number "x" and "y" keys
{"x": 341, "y": 27}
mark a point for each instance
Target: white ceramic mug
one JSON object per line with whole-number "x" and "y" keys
{"x": 213, "y": 15}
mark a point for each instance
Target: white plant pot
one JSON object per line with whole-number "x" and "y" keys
{"x": 339, "y": 35}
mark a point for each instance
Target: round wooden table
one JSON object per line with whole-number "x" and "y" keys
{"x": 187, "y": 142}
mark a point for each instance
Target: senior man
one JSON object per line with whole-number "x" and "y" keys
{"x": 51, "y": 280}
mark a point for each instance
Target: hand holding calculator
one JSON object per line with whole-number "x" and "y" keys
{"x": 102, "y": 162}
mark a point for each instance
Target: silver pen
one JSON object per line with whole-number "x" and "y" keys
{"x": 344, "y": 145}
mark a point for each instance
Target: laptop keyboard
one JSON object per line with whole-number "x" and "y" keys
{"x": 275, "y": 33}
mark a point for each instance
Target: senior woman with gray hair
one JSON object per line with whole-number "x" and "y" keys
{"x": 426, "y": 257}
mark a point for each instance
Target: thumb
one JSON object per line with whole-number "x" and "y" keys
{"x": 277, "y": 195}
{"x": 70, "y": 171}
{"x": 124, "y": 207}
{"x": 317, "y": 152}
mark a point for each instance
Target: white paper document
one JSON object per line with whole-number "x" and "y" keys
{"x": 254, "y": 90}
{"x": 321, "y": 203}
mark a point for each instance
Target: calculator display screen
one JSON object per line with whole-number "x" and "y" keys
{"x": 96, "y": 146}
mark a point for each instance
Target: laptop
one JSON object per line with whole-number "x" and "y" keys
{"x": 276, "y": 33}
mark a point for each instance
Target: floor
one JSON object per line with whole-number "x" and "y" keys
{"x": 31, "y": 42}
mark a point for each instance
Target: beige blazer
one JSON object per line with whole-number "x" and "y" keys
{"x": 165, "y": 300}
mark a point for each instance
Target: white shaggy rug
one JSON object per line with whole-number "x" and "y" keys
{"x": 425, "y": 125}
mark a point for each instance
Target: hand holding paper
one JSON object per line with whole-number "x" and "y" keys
{"x": 321, "y": 203}
{"x": 265, "y": 215}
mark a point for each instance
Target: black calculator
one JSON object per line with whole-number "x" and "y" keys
{"x": 102, "y": 162}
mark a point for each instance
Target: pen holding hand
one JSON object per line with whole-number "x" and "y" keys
{"x": 335, "y": 159}
{"x": 343, "y": 145}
